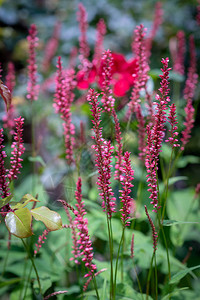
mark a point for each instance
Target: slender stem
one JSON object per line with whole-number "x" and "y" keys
{"x": 111, "y": 255}
{"x": 118, "y": 252}
{"x": 95, "y": 286}
{"x": 149, "y": 276}
{"x": 156, "y": 278}
{"x": 167, "y": 186}
{"x": 28, "y": 280}
{"x": 33, "y": 145}
{"x": 33, "y": 264}
{"x": 138, "y": 282}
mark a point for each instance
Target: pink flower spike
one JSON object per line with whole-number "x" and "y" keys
{"x": 154, "y": 233}
{"x": 107, "y": 98}
{"x": 85, "y": 247}
{"x": 103, "y": 152}
{"x": 84, "y": 49}
{"x": 41, "y": 240}
{"x": 139, "y": 48}
{"x": 18, "y": 150}
{"x": 4, "y": 190}
{"x": 8, "y": 119}
{"x": 173, "y": 131}
{"x": 179, "y": 60}
{"x": 198, "y": 13}
{"x": 118, "y": 137}
{"x": 51, "y": 47}
{"x": 189, "y": 91}
{"x": 64, "y": 96}
{"x": 32, "y": 87}
{"x": 126, "y": 178}
{"x": 101, "y": 31}
{"x": 158, "y": 18}
{"x": 189, "y": 123}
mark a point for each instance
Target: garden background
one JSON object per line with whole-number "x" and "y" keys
{"x": 48, "y": 176}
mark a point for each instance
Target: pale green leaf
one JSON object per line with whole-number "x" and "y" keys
{"x": 50, "y": 218}
{"x": 19, "y": 222}
{"x": 24, "y": 201}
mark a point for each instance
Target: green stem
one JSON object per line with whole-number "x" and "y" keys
{"x": 149, "y": 276}
{"x": 167, "y": 186}
{"x": 118, "y": 252}
{"x": 111, "y": 256}
{"x": 33, "y": 264}
{"x": 28, "y": 280}
{"x": 138, "y": 282}
{"x": 95, "y": 286}
{"x": 156, "y": 278}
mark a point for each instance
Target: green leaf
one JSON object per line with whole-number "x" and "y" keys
{"x": 38, "y": 159}
{"x": 24, "y": 201}
{"x": 50, "y": 218}
{"x": 173, "y": 222}
{"x": 5, "y": 201}
{"x": 19, "y": 222}
{"x": 178, "y": 276}
{"x": 173, "y": 180}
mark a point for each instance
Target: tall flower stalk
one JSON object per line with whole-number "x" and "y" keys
{"x": 103, "y": 152}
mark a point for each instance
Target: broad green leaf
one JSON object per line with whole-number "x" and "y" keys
{"x": 19, "y": 222}
{"x": 178, "y": 276}
{"x": 24, "y": 201}
{"x": 50, "y": 218}
{"x": 5, "y": 201}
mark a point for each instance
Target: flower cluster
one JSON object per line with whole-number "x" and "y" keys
{"x": 106, "y": 65}
{"x": 103, "y": 152}
{"x": 18, "y": 150}
{"x": 139, "y": 47}
{"x": 32, "y": 86}
{"x": 65, "y": 84}
{"x": 126, "y": 179}
{"x": 154, "y": 233}
{"x": 189, "y": 90}
{"x": 180, "y": 53}
{"x": 4, "y": 189}
{"x": 173, "y": 131}
{"x": 51, "y": 47}
{"x": 98, "y": 50}
{"x": 41, "y": 241}
{"x": 84, "y": 238}
{"x": 156, "y": 133}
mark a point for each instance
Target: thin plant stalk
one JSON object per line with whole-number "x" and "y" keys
{"x": 118, "y": 253}
{"x": 95, "y": 286}
{"x": 33, "y": 264}
{"x": 111, "y": 256}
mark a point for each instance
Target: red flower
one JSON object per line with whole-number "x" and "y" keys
{"x": 123, "y": 75}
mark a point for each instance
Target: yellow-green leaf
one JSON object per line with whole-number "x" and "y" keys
{"x": 50, "y": 218}
{"x": 19, "y": 222}
{"x": 5, "y": 201}
{"x": 24, "y": 201}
